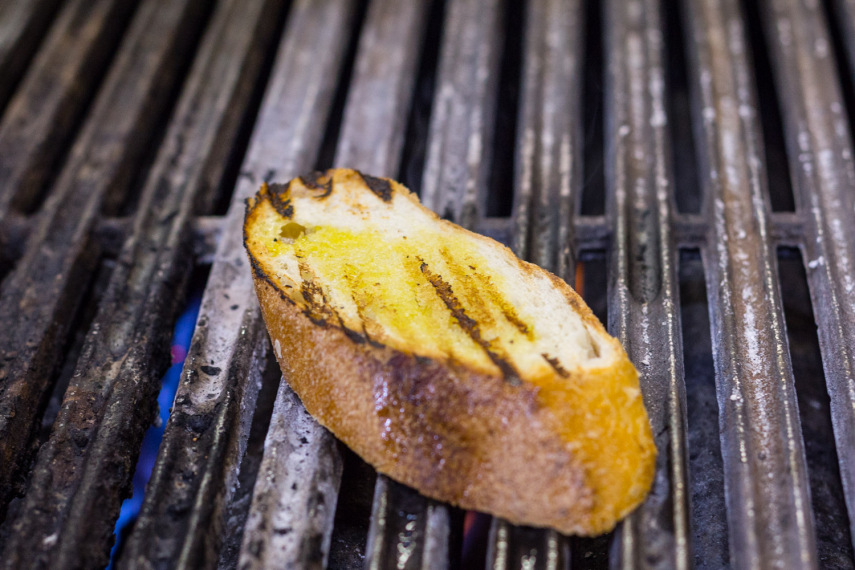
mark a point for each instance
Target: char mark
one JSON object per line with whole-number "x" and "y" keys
{"x": 487, "y": 286}
{"x": 379, "y": 186}
{"x": 280, "y": 197}
{"x": 317, "y": 308}
{"x": 318, "y": 181}
{"x": 468, "y": 324}
{"x": 512, "y": 318}
{"x": 556, "y": 365}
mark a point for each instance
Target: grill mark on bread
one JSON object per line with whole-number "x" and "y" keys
{"x": 380, "y": 186}
{"x": 318, "y": 181}
{"x": 317, "y": 308}
{"x": 486, "y": 285}
{"x": 468, "y": 324}
{"x": 359, "y": 311}
{"x": 556, "y": 365}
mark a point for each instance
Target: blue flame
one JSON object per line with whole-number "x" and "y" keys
{"x": 153, "y": 436}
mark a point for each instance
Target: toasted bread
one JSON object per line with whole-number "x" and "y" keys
{"x": 443, "y": 360}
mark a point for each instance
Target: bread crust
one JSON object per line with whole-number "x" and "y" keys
{"x": 471, "y": 438}
{"x": 465, "y": 438}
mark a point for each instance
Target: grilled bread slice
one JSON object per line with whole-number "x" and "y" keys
{"x": 443, "y": 360}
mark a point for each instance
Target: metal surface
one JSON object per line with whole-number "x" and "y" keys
{"x": 83, "y": 470}
{"x": 22, "y": 27}
{"x": 39, "y": 298}
{"x": 458, "y": 156}
{"x": 206, "y": 435}
{"x": 47, "y": 107}
{"x": 379, "y": 95}
{"x": 768, "y": 502}
{"x": 547, "y": 183}
{"x": 291, "y": 518}
{"x": 406, "y": 530}
{"x": 109, "y": 197}
{"x": 819, "y": 143}
{"x": 643, "y": 305}
{"x": 524, "y": 547}
{"x": 549, "y": 144}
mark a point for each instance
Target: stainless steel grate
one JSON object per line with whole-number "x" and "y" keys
{"x": 686, "y": 163}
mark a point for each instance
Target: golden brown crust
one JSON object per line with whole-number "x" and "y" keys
{"x": 571, "y": 450}
{"x": 468, "y": 439}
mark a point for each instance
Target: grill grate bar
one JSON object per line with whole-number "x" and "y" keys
{"x": 819, "y": 145}
{"x": 278, "y": 532}
{"x": 207, "y": 432}
{"x": 770, "y": 523}
{"x": 643, "y": 307}
{"x": 407, "y": 530}
{"x": 372, "y": 134}
{"x": 291, "y": 517}
{"x": 83, "y": 471}
{"x": 525, "y": 547}
{"x": 124, "y": 355}
{"x": 412, "y": 533}
{"x": 459, "y": 142}
{"x": 548, "y": 157}
{"x": 549, "y": 145}
{"x": 50, "y": 101}
{"x": 22, "y": 27}
{"x": 40, "y": 296}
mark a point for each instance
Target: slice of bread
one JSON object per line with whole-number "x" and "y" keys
{"x": 443, "y": 360}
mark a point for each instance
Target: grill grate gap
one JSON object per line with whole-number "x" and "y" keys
{"x": 124, "y": 204}
{"x": 476, "y": 531}
{"x": 771, "y": 121}
{"x": 329, "y": 142}
{"x": 228, "y": 181}
{"x": 182, "y": 323}
{"x": 353, "y": 512}
{"x": 592, "y": 275}
{"x": 706, "y": 470}
{"x": 844, "y": 58}
{"x": 593, "y": 199}
{"x": 500, "y": 188}
{"x": 13, "y": 235}
{"x": 238, "y": 509}
{"x": 414, "y": 152}
{"x": 687, "y": 185}
{"x": 829, "y": 509}
{"x": 591, "y": 553}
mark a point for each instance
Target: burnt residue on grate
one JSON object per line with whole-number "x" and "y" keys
{"x": 44, "y": 288}
{"x": 709, "y": 528}
{"x": 457, "y": 171}
{"x": 819, "y": 147}
{"x": 41, "y": 119}
{"x": 768, "y": 503}
{"x": 91, "y": 451}
{"x": 26, "y": 25}
{"x": 180, "y": 524}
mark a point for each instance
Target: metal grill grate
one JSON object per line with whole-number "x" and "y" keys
{"x": 687, "y": 164}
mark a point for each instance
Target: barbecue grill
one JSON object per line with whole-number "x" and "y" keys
{"x": 686, "y": 164}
